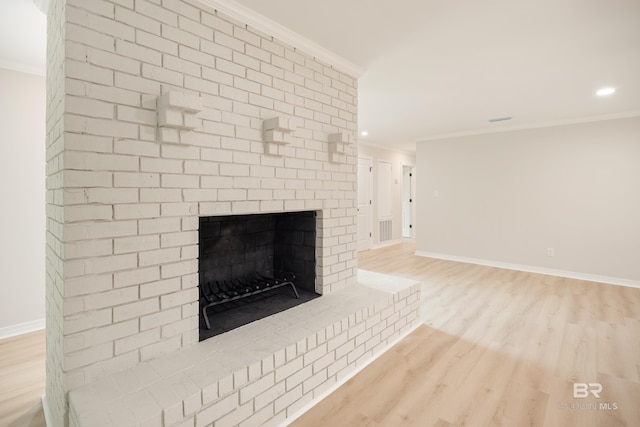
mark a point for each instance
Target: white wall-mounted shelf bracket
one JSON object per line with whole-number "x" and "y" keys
{"x": 177, "y": 115}
{"x": 277, "y": 132}
{"x": 337, "y": 146}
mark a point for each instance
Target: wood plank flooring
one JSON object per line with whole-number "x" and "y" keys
{"x": 498, "y": 348}
{"x": 22, "y": 379}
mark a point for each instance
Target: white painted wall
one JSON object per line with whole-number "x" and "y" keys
{"x": 22, "y": 198}
{"x": 507, "y": 197}
{"x": 397, "y": 159}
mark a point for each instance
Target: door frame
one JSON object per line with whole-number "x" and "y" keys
{"x": 370, "y": 183}
{"x": 412, "y": 198}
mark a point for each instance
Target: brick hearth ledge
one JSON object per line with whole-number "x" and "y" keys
{"x": 264, "y": 373}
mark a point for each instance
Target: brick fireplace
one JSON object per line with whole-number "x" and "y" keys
{"x": 160, "y": 113}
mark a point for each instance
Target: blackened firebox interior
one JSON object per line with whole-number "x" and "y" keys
{"x": 253, "y": 266}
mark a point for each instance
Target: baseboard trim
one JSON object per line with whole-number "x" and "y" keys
{"x": 532, "y": 269}
{"x": 387, "y": 243}
{"x": 46, "y": 411}
{"x": 340, "y": 383}
{"x": 21, "y": 328}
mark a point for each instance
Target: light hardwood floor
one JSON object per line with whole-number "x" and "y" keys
{"x": 498, "y": 348}
{"x": 22, "y": 376}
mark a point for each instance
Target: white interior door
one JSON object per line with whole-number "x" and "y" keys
{"x": 365, "y": 184}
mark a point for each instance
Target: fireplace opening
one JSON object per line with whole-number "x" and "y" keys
{"x": 253, "y": 266}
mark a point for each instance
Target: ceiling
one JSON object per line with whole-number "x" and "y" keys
{"x": 439, "y": 68}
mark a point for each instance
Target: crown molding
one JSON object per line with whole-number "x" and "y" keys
{"x": 260, "y": 22}
{"x": 385, "y": 147}
{"x": 573, "y": 121}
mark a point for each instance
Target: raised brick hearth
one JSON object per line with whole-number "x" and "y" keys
{"x": 262, "y": 374}
{"x": 156, "y": 113}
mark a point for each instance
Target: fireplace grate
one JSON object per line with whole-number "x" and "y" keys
{"x": 223, "y": 291}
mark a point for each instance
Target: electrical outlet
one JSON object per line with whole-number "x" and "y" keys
{"x": 551, "y": 252}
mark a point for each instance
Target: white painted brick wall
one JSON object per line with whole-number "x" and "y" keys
{"x": 123, "y": 207}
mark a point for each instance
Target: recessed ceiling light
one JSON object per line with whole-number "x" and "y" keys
{"x": 606, "y": 91}
{"x": 364, "y": 133}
